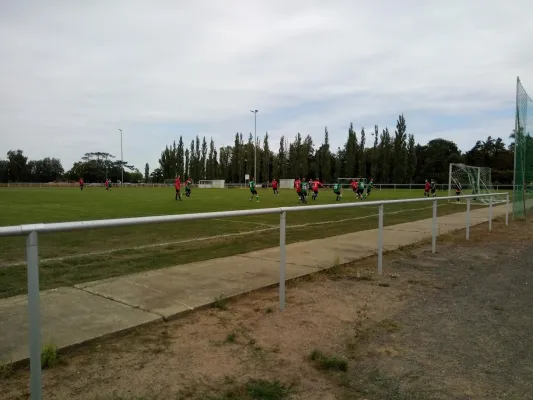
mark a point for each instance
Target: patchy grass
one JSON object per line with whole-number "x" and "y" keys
{"x": 231, "y": 338}
{"x": 49, "y": 356}
{"x": 328, "y": 363}
{"x": 220, "y": 302}
{"x": 267, "y": 390}
{"x": 6, "y": 370}
{"x": 364, "y": 275}
{"x": 388, "y": 325}
{"x": 375, "y": 384}
{"x": 254, "y": 389}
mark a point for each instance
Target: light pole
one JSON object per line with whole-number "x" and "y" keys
{"x": 121, "y": 159}
{"x": 255, "y": 144}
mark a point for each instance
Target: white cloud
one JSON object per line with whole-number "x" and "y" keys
{"x": 72, "y": 73}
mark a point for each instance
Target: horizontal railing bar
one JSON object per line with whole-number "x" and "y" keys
{"x": 21, "y": 230}
{"x": 379, "y": 202}
{"x": 118, "y": 222}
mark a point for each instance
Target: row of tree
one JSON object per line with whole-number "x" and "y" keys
{"x": 387, "y": 157}
{"x": 17, "y": 168}
{"x": 99, "y": 166}
{"x": 94, "y": 167}
{"x": 390, "y": 158}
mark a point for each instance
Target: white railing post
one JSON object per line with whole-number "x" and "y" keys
{"x": 490, "y": 214}
{"x": 434, "y": 227}
{"x": 468, "y": 218}
{"x": 380, "y": 240}
{"x": 507, "y": 208}
{"x": 34, "y": 315}
{"x": 282, "y": 259}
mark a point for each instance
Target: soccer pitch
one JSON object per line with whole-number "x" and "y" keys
{"x": 74, "y": 257}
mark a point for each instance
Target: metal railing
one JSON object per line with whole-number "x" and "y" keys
{"x": 31, "y": 231}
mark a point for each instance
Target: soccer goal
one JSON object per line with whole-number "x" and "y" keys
{"x": 472, "y": 180}
{"x": 211, "y": 184}
{"x": 286, "y": 183}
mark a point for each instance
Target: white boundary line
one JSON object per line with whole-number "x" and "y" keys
{"x": 226, "y": 235}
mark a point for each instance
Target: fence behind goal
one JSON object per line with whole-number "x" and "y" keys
{"x": 523, "y": 154}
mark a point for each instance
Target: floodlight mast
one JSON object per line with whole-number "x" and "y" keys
{"x": 121, "y": 159}
{"x": 255, "y": 144}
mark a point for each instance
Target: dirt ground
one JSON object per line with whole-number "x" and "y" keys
{"x": 453, "y": 325}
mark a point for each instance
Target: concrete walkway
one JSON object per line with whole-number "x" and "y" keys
{"x": 73, "y": 315}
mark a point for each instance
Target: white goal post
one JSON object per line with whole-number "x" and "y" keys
{"x": 286, "y": 183}
{"x": 472, "y": 180}
{"x": 211, "y": 184}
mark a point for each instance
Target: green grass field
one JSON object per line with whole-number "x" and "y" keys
{"x": 74, "y": 257}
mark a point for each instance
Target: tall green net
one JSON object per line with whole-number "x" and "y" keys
{"x": 523, "y": 154}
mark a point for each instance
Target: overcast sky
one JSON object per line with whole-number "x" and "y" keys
{"x": 73, "y": 72}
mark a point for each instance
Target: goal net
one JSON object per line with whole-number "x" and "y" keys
{"x": 347, "y": 181}
{"x": 523, "y": 153}
{"x": 211, "y": 184}
{"x": 472, "y": 180}
{"x": 286, "y": 183}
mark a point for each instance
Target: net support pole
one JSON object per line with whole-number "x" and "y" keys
{"x": 34, "y": 315}
{"x": 380, "y": 240}
{"x": 468, "y": 218}
{"x": 434, "y": 228}
{"x": 516, "y": 124}
{"x": 507, "y": 208}
{"x": 282, "y": 258}
{"x": 450, "y": 180}
{"x": 490, "y": 214}
{"x": 478, "y": 186}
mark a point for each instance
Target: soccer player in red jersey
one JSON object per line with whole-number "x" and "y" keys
{"x": 355, "y": 185}
{"x": 177, "y": 185}
{"x": 298, "y": 187}
{"x": 275, "y": 186}
{"x": 427, "y": 187}
{"x": 81, "y": 184}
{"x": 316, "y": 184}
{"x": 107, "y": 185}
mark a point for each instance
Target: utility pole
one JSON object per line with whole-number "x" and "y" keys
{"x": 121, "y": 159}
{"x": 255, "y": 144}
